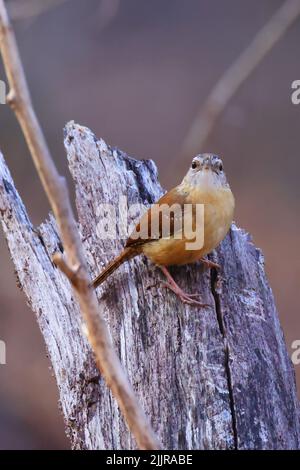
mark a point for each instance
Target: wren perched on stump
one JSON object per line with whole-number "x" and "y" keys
{"x": 184, "y": 225}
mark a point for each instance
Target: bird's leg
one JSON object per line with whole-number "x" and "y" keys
{"x": 210, "y": 264}
{"x": 173, "y": 286}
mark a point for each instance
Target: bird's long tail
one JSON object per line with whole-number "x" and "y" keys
{"x": 126, "y": 254}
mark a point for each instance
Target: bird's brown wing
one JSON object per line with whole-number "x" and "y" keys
{"x": 161, "y": 219}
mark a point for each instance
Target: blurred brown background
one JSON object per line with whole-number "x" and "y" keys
{"x": 136, "y": 72}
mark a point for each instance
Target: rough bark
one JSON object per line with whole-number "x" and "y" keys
{"x": 214, "y": 378}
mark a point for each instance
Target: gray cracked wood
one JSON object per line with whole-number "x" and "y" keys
{"x": 214, "y": 378}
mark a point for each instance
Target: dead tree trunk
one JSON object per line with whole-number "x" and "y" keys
{"x": 214, "y": 378}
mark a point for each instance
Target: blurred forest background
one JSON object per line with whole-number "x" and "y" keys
{"x": 136, "y": 73}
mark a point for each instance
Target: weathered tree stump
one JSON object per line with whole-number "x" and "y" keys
{"x": 212, "y": 378}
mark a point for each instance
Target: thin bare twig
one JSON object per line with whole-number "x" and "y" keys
{"x": 57, "y": 192}
{"x": 106, "y": 13}
{"x": 235, "y": 76}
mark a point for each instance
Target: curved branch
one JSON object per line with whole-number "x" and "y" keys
{"x": 236, "y": 75}
{"x": 57, "y": 193}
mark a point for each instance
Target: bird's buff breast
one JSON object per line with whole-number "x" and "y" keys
{"x": 218, "y": 215}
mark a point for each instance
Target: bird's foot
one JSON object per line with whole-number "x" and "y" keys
{"x": 183, "y": 296}
{"x": 210, "y": 264}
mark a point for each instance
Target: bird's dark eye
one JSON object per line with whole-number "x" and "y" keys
{"x": 194, "y": 165}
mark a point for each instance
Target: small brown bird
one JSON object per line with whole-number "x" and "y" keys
{"x": 191, "y": 233}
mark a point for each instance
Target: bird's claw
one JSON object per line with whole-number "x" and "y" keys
{"x": 210, "y": 264}
{"x": 184, "y": 297}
